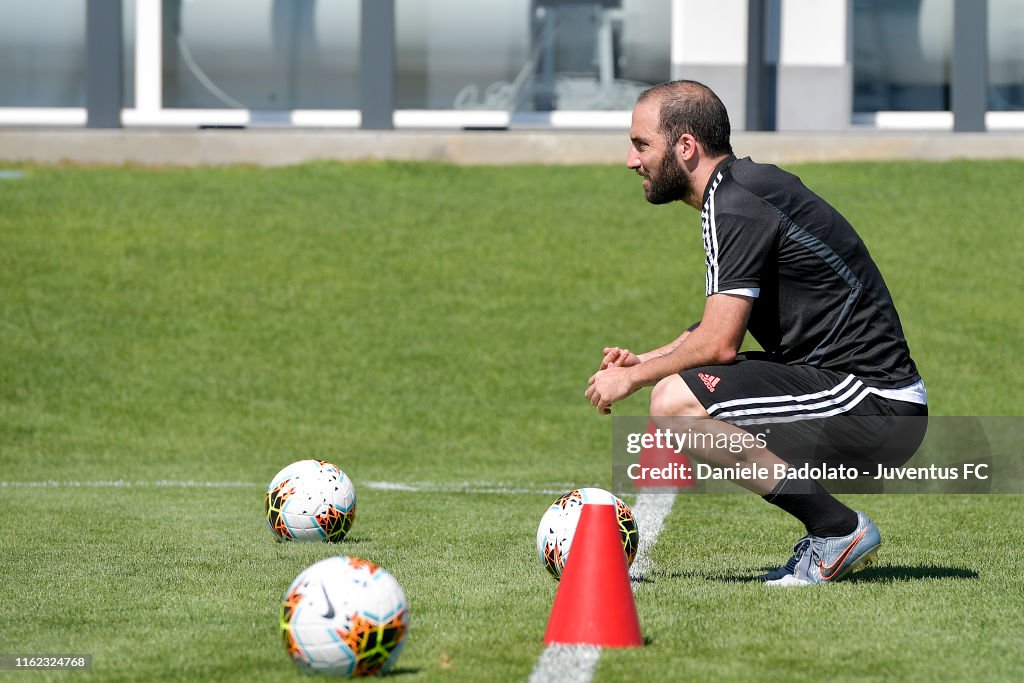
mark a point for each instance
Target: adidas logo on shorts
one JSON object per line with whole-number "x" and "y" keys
{"x": 710, "y": 381}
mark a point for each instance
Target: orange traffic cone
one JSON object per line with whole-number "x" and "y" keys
{"x": 669, "y": 465}
{"x": 594, "y": 603}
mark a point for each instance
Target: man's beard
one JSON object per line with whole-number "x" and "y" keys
{"x": 670, "y": 183}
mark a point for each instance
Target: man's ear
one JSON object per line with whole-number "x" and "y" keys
{"x": 686, "y": 149}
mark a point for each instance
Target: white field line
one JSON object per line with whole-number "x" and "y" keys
{"x": 566, "y": 664}
{"x": 411, "y": 487}
{"x": 503, "y": 488}
{"x": 650, "y": 512}
{"x": 577, "y": 663}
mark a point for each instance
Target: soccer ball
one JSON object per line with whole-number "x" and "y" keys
{"x": 310, "y": 500}
{"x": 344, "y": 616}
{"x": 557, "y": 526}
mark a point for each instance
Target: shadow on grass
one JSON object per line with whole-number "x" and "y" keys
{"x": 403, "y": 671}
{"x": 888, "y": 574}
{"x": 902, "y": 573}
{"x": 353, "y": 539}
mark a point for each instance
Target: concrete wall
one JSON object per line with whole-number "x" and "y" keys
{"x": 815, "y": 72}
{"x": 709, "y": 44}
{"x": 283, "y": 147}
{"x": 810, "y": 41}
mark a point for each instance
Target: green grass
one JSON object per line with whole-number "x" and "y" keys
{"x": 427, "y": 323}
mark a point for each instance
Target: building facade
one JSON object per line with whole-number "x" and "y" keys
{"x": 786, "y": 65}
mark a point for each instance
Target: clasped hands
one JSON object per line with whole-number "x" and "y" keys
{"x": 613, "y": 380}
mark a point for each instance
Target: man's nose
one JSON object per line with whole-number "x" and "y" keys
{"x": 632, "y": 158}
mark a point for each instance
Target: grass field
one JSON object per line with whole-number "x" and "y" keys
{"x": 169, "y": 339}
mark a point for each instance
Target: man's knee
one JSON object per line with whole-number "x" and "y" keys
{"x": 671, "y": 397}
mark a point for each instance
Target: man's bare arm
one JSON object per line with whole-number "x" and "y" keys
{"x": 670, "y": 347}
{"x": 715, "y": 342}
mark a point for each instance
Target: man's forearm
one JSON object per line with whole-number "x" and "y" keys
{"x": 659, "y": 352}
{"x": 698, "y": 350}
{"x": 651, "y": 371}
{"x": 670, "y": 347}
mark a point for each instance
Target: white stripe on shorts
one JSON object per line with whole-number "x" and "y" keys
{"x": 788, "y": 400}
{"x": 849, "y": 405}
{"x": 800, "y": 407}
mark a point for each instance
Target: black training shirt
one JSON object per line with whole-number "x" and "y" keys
{"x": 820, "y": 299}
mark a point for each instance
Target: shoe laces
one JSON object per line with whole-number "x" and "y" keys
{"x": 815, "y": 551}
{"x": 799, "y": 548}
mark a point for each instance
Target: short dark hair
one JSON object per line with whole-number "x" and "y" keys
{"x": 692, "y": 107}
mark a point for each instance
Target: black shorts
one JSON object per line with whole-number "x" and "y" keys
{"x": 808, "y": 415}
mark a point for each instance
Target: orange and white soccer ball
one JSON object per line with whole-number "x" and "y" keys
{"x": 558, "y": 525}
{"x": 344, "y": 616}
{"x": 310, "y": 500}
